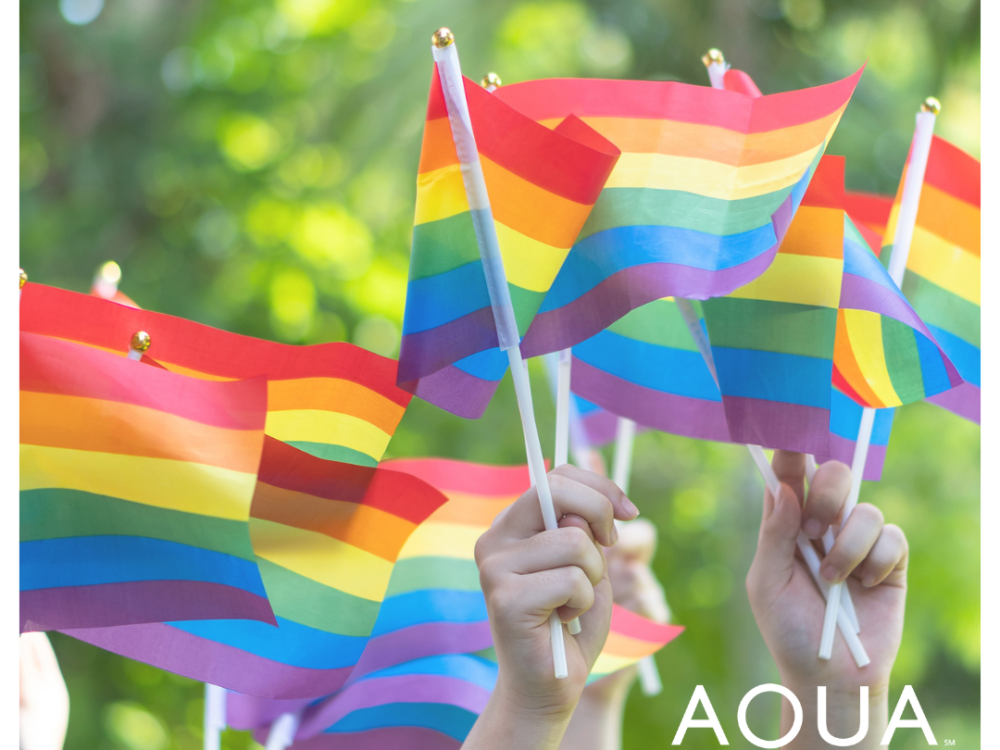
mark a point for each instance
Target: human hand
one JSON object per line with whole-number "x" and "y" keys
{"x": 44, "y": 700}
{"x": 527, "y": 573}
{"x": 596, "y": 723}
{"x": 869, "y": 554}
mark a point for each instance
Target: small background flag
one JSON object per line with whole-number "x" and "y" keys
{"x": 326, "y": 536}
{"x": 646, "y": 367}
{"x": 942, "y": 279}
{"x": 696, "y": 206}
{"x": 336, "y": 401}
{"x": 136, "y": 486}
{"x": 542, "y": 185}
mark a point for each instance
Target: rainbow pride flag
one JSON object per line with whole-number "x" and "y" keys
{"x": 434, "y": 701}
{"x": 326, "y": 536}
{"x": 884, "y": 353}
{"x": 942, "y": 279}
{"x": 336, "y": 401}
{"x": 696, "y": 206}
{"x": 845, "y": 423}
{"x": 136, "y": 486}
{"x": 773, "y": 339}
{"x": 645, "y": 366}
{"x": 542, "y": 185}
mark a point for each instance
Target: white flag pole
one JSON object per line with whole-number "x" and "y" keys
{"x": 715, "y": 62}
{"x": 283, "y": 730}
{"x": 450, "y": 72}
{"x": 906, "y": 222}
{"x": 215, "y": 716}
{"x": 563, "y": 373}
{"x": 22, "y": 280}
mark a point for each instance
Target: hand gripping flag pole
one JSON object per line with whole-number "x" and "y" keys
{"x": 910, "y": 202}
{"x": 450, "y": 72}
{"x": 716, "y": 65}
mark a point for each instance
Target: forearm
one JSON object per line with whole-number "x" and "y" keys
{"x": 504, "y": 724}
{"x": 843, "y": 717}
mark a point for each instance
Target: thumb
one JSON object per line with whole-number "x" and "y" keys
{"x": 774, "y": 562}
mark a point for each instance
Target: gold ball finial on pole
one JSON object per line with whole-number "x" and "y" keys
{"x": 713, "y": 56}
{"x": 490, "y": 79}
{"x": 442, "y": 38}
{"x": 140, "y": 341}
{"x": 23, "y": 277}
{"x": 111, "y": 272}
{"x": 932, "y": 105}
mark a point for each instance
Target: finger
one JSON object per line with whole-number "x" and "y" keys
{"x": 569, "y": 497}
{"x": 773, "y": 563}
{"x": 791, "y": 470}
{"x": 828, "y": 492}
{"x": 625, "y": 509}
{"x": 548, "y": 590}
{"x": 554, "y": 549}
{"x": 854, "y": 542}
{"x": 886, "y": 563}
{"x": 636, "y": 541}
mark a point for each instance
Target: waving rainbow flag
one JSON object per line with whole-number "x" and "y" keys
{"x": 942, "y": 279}
{"x": 336, "y": 401}
{"x": 136, "y": 486}
{"x": 705, "y": 189}
{"x": 869, "y": 210}
{"x": 884, "y": 354}
{"x": 326, "y": 536}
{"x": 542, "y": 184}
{"x": 646, "y": 367}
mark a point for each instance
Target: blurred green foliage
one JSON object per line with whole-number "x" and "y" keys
{"x": 251, "y": 165}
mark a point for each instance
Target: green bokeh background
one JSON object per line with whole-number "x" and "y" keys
{"x": 251, "y": 165}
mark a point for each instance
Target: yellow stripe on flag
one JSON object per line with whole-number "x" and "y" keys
{"x": 529, "y": 264}
{"x": 159, "y": 482}
{"x": 800, "y": 279}
{"x": 442, "y": 540}
{"x": 323, "y": 559}
{"x": 330, "y": 428}
{"x": 947, "y": 265}
{"x": 440, "y": 195}
{"x": 864, "y": 329}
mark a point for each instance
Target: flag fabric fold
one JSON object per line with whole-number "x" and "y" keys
{"x": 942, "y": 279}
{"x": 336, "y": 401}
{"x": 696, "y": 206}
{"x": 542, "y": 185}
{"x": 327, "y": 536}
{"x": 136, "y": 487}
{"x": 647, "y": 368}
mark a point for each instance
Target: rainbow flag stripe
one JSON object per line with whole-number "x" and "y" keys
{"x": 884, "y": 353}
{"x": 845, "y": 423}
{"x": 599, "y": 425}
{"x": 942, "y": 279}
{"x": 542, "y": 184}
{"x": 696, "y": 206}
{"x": 631, "y": 639}
{"x": 326, "y": 536}
{"x": 136, "y": 486}
{"x": 646, "y": 367}
{"x": 773, "y": 339}
{"x": 335, "y": 401}
{"x": 869, "y": 210}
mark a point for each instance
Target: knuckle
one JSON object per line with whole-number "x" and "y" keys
{"x": 576, "y": 540}
{"x": 870, "y": 513}
{"x": 895, "y": 534}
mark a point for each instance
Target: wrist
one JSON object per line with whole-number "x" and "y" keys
{"x": 842, "y": 714}
{"x": 510, "y": 720}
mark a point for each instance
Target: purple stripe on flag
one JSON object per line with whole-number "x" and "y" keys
{"x": 455, "y": 391}
{"x": 667, "y": 412}
{"x": 410, "y": 688}
{"x": 205, "y": 660}
{"x": 842, "y": 449}
{"x": 383, "y": 738}
{"x": 136, "y": 602}
{"x": 775, "y": 424}
{"x": 249, "y": 712}
{"x": 963, "y": 401}
{"x": 592, "y": 312}
{"x": 426, "y": 352}
{"x": 418, "y": 641}
{"x": 601, "y": 426}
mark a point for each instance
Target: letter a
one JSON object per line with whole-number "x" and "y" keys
{"x": 689, "y": 722}
{"x": 898, "y": 721}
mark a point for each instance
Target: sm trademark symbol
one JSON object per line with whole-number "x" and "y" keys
{"x": 949, "y": 742}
